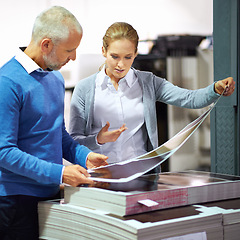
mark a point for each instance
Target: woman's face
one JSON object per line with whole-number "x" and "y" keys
{"x": 119, "y": 58}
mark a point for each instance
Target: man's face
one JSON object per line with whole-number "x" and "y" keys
{"x": 63, "y": 52}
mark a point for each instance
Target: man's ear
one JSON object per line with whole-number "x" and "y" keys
{"x": 104, "y": 52}
{"x": 46, "y": 45}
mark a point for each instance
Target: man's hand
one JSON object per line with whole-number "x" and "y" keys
{"x": 227, "y": 83}
{"x": 75, "y": 175}
{"x": 105, "y": 136}
{"x": 96, "y": 160}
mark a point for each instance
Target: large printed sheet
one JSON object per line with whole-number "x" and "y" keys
{"x": 128, "y": 170}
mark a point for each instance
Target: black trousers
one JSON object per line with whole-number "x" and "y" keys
{"x": 19, "y": 217}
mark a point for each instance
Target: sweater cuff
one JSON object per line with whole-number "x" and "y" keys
{"x": 61, "y": 180}
{"x": 212, "y": 92}
{"x": 213, "y": 89}
{"x": 82, "y": 155}
{"x": 96, "y": 141}
{"x": 56, "y": 172}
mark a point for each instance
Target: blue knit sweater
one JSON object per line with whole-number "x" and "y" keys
{"x": 33, "y": 139}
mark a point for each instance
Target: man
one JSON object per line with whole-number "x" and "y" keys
{"x": 33, "y": 139}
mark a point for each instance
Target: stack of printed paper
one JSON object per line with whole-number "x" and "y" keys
{"x": 65, "y": 221}
{"x": 153, "y": 192}
{"x": 230, "y": 211}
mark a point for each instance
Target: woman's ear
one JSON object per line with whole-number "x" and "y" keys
{"x": 104, "y": 52}
{"x": 46, "y": 45}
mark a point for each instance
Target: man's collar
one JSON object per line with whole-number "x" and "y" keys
{"x": 29, "y": 65}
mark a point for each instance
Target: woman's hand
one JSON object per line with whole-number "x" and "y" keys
{"x": 105, "y": 136}
{"x": 227, "y": 83}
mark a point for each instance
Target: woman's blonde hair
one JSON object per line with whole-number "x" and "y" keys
{"x": 120, "y": 30}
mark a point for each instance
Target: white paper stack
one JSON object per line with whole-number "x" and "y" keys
{"x": 231, "y": 224}
{"x": 66, "y": 221}
{"x": 148, "y": 208}
{"x": 231, "y": 219}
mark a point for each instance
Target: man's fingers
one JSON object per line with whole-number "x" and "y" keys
{"x": 75, "y": 175}
{"x": 83, "y": 171}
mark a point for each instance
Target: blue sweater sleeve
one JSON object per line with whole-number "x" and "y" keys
{"x": 73, "y": 151}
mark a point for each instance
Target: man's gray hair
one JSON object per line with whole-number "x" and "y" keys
{"x": 55, "y": 23}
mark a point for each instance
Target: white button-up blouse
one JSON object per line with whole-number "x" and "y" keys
{"x": 124, "y": 105}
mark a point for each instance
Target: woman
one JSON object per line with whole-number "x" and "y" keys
{"x": 113, "y": 111}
